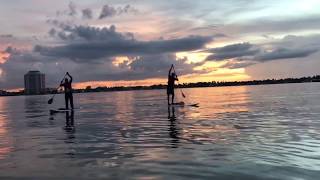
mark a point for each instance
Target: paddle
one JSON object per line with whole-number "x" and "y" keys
{"x": 50, "y": 101}
{"x": 183, "y": 95}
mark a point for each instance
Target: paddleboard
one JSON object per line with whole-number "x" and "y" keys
{"x": 182, "y": 104}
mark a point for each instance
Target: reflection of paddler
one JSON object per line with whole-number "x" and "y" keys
{"x": 173, "y": 131}
{"x": 69, "y": 120}
{"x": 67, "y": 91}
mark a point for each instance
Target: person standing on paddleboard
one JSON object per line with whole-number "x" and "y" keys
{"x": 172, "y": 77}
{"x": 67, "y": 90}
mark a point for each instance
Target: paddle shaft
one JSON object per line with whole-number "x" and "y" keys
{"x": 183, "y": 95}
{"x": 58, "y": 86}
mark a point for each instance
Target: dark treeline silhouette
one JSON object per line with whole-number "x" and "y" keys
{"x": 184, "y": 85}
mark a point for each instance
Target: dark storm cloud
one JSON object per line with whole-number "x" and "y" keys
{"x": 283, "y": 53}
{"x": 232, "y": 51}
{"x": 159, "y": 64}
{"x": 241, "y": 55}
{"x": 149, "y": 66}
{"x": 110, "y": 11}
{"x": 87, "y": 43}
{"x": 87, "y": 13}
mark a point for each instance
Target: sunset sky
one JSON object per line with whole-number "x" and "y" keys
{"x": 134, "y": 42}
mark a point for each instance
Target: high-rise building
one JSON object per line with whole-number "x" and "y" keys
{"x": 34, "y": 82}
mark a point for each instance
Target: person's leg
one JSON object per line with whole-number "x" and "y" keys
{"x": 168, "y": 95}
{"x": 71, "y": 100}
{"x": 66, "y": 100}
{"x": 172, "y": 98}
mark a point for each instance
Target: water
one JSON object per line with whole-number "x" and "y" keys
{"x": 257, "y": 132}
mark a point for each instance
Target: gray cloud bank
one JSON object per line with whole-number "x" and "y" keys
{"x": 84, "y": 43}
{"x": 242, "y": 55}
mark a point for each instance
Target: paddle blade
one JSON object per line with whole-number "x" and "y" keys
{"x": 184, "y": 96}
{"x": 50, "y": 101}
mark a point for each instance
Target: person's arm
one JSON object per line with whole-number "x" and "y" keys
{"x": 61, "y": 83}
{"x": 176, "y": 78}
{"x": 69, "y": 77}
{"x": 170, "y": 70}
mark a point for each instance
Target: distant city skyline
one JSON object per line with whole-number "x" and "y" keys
{"x": 122, "y": 42}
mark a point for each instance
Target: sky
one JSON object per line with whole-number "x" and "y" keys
{"x": 134, "y": 42}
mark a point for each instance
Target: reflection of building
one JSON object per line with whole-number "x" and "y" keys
{"x": 34, "y": 82}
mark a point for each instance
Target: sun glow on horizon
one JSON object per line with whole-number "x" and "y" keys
{"x": 221, "y": 74}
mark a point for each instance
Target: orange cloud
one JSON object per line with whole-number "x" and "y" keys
{"x": 4, "y": 57}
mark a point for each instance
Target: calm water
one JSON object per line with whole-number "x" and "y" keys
{"x": 258, "y": 132}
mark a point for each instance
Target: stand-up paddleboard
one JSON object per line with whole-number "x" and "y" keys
{"x": 182, "y": 104}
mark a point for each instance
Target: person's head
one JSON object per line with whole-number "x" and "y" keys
{"x": 66, "y": 80}
{"x": 173, "y": 74}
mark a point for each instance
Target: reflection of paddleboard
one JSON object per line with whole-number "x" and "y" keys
{"x": 61, "y": 110}
{"x": 182, "y": 104}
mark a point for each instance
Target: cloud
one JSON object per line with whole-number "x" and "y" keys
{"x": 284, "y": 53}
{"x": 83, "y": 43}
{"x": 159, "y": 64}
{"x": 241, "y": 55}
{"x": 110, "y": 11}
{"x": 237, "y": 64}
{"x": 87, "y": 13}
{"x": 232, "y": 51}
{"x": 72, "y": 9}
{"x": 149, "y": 66}
{"x": 6, "y": 36}
{"x": 52, "y": 32}
{"x": 20, "y": 62}
{"x": 107, "y": 11}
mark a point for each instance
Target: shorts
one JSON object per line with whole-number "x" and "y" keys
{"x": 170, "y": 90}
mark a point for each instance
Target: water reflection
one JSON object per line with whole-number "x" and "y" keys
{"x": 34, "y": 104}
{"x": 123, "y": 104}
{"x": 173, "y": 130}
{"x": 5, "y": 147}
{"x": 216, "y": 103}
{"x": 5, "y": 140}
{"x": 70, "y": 122}
{"x": 70, "y": 134}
